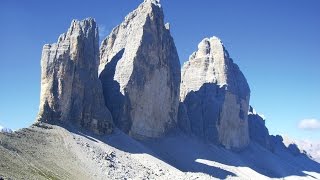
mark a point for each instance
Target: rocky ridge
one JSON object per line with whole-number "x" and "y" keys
{"x": 276, "y": 144}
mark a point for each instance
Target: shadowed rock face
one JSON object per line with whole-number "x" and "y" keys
{"x": 276, "y": 144}
{"x": 257, "y": 129}
{"x": 215, "y": 96}
{"x": 70, "y": 89}
{"x": 140, "y": 73}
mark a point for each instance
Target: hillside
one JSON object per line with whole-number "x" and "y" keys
{"x": 53, "y": 152}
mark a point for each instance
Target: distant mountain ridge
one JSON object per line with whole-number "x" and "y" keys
{"x": 5, "y": 130}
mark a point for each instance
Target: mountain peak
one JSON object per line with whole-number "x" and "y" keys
{"x": 210, "y": 80}
{"x": 155, "y": 2}
{"x": 70, "y": 89}
{"x": 140, "y": 73}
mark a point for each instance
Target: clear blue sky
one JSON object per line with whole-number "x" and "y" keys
{"x": 276, "y": 43}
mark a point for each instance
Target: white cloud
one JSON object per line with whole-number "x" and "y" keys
{"x": 309, "y": 124}
{"x": 103, "y": 31}
{"x": 1, "y": 127}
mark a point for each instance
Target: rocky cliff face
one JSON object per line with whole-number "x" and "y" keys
{"x": 257, "y": 129}
{"x": 214, "y": 96}
{"x": 70, "y": 89}
{"x": 140, "y": 73}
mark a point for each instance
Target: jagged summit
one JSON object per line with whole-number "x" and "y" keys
{"x": 155, "y": 2}
{"x": 135, "y": 23}
{"x": 204, "y": 47}
{"x": 77, "y": 27}
{"x": 218, "y": 67}
{"x": 70, "y": 89}
{"x": 140, "y": 73}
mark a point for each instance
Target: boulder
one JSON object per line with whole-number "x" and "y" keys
{"x": 216, "y": 96}
{"x": 140, "y": 73}
{"x": 71, "y": 91}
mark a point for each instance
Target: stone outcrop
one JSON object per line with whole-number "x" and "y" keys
{"x": 70, "y": 88}
{"x": 278, "y": 146}
{"x": 215, "y": 96}
{"x": 259, "y": 133}
{"x": 257, "y": 129}
{"x": 140, "y": 73}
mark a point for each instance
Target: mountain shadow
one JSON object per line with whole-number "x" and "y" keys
{"x": 200, "y": 118}
{"x": 114, "y": 99}
{"x": 189, "y": 153}
{"x": 193, "y": 153}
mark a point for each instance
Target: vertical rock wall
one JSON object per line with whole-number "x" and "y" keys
{"x": 70, "y": 89}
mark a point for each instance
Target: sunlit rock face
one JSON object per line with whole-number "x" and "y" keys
{"x": 140, "y": 73}
{"x": 70, "y": 88}
{"x": 214, "y": 96}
